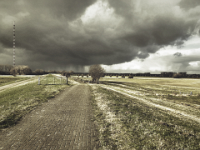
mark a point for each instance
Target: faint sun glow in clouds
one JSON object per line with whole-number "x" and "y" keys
{"x": 194, "y": 63}
{"x": 98, "y": 11}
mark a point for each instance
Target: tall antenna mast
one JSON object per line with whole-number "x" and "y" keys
{"x": 14, "y": 44}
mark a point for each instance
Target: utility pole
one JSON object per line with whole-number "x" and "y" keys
{"x": 13, "y": 44}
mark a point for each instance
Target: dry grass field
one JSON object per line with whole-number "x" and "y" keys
{"x": 147, "y": 113}
{"x": 141, "y": 113}
{"x": 17, "y": 101}
{"x": 4, "y": 80}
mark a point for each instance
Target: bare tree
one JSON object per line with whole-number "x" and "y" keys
{"x": 39, "y": 72}
{"x": 63, "y": 72}
{"x": 5, "y": 69}
{"x": 13, "y": 72}
{"x": 20, "y": 70}
{"x": 71, "y": 72}
{"x": 96, "y": 71}
{"x": 177, "y": 75}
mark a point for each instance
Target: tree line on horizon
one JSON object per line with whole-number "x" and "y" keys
{"x": 26, "y": 70}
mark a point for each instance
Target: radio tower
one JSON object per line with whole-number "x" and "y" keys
{"x": 13, "y": 44}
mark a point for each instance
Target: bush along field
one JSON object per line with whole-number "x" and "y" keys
{"x": 16, "y": 102}
{"x": 142, "y": 116}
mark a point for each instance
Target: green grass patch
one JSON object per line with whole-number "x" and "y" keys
{"x": 16, "y": 102}
{"x": 9, "y": 80}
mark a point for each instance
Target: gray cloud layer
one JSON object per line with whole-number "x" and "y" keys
{"x": 52, "y": 33}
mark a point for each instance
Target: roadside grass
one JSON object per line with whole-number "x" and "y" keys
{"x": 16, "y": 102}
{"x": 99, "y": 118}
{"x": 145, "y": 126}
{"x": 9, "y": 80}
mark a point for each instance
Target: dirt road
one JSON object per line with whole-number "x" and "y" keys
{"x": 62, "y": 123}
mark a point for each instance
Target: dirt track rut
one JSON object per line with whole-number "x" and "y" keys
{"x": 62, "y": 123}
{"x": 9, "y": 86}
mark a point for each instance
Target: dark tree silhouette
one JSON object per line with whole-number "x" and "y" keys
{"x": 39, "y": 72}
{"x": 177, "y": 75}
{"x": 20, "y": 70}
{"x": 96, "y": 71}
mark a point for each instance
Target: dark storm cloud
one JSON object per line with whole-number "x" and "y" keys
{"x": 184, "y": 65}
{"x": 52, "y": 33}
{"x": 188, "y": 4}
{"x": 177, "y": 54}
{"x": 156, "y": 28}
{"x": 68, "y": 8}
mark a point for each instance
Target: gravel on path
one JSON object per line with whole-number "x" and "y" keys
{"x": 64, "y": 122}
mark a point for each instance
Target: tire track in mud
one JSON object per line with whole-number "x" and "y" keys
{"x": 144, "y": 93}
{"x": 171, "y": 111}
{"x": 181, "y": 106}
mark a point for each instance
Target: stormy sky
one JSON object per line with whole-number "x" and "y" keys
{"x": 122, "y": 35}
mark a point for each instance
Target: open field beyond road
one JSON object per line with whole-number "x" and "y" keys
{"x": 171, "y": 82}
{"x": 140, "y": 114}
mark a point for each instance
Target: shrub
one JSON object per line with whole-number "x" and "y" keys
{"x": 39, "y": 72}
{"x": 63, "y": 73}
{"x": 130, "y": 76}
{"x": 177, "y": 76}
{"x": 20, "y": 70}
{"x": 13, "y": 72}
{"x": 71, "y": 72}
{"x": 96, "y": 71}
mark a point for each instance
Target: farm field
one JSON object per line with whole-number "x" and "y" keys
{"x": 139, "y": 113}
{"x": 4, "y": 80}
{"x": 17, "y": 101}
{"x": 144, "y": 113}
{"x": 172, "y": 83}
